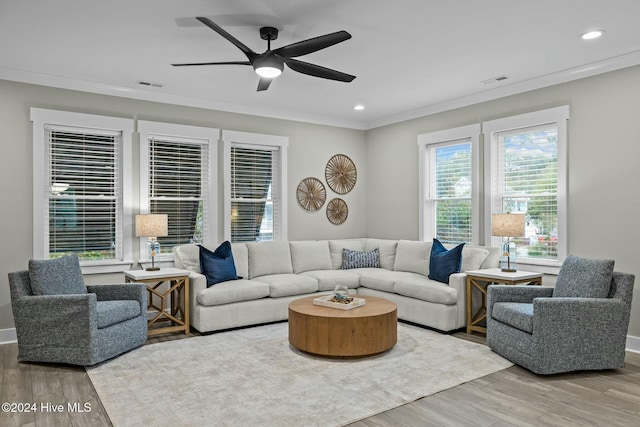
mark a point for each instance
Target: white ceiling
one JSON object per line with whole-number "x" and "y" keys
{"x": 411, "y": 57}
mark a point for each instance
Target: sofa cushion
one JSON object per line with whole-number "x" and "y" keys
{"x": 267, "y": 258}
{"x": 473, "y": 257}
{"x": 584, "y": 278}
{"x": 57, "y": 276}
{"x": 336, "y": 247}
{"x": 381, "y": 279}
{"x": 218, "y": 266}
{"x": 387, "y": 250}
{"x": 241, "y": 259}
{"x": 443, "y": 262}
{"x": 310, "y": 255}
{"x": 413, "y": 257}
{"x": 111, "y": 312}
{"x": 516, "y": 314}
{"x": 329, "y": 279}
{"x": 188, "y": 256}
{"x": 427, "y": 290}
{"x": 233, "y": 291}
{"x": 283, "y": 285}
{"x": 360, "y": 259}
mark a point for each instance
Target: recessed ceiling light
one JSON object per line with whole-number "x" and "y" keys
{"x": 590, "y": 35}
{"x": 358, "y": 107}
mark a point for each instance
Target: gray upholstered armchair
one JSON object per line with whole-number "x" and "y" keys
{"x": 581, "y": 324}
{"x": 60, "y": 320}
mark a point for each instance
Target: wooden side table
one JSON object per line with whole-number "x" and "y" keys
{"x": 177, "y": 309}
{"x": 480, "y": 280}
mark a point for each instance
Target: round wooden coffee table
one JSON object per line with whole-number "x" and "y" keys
{"x": 326, "y": 331}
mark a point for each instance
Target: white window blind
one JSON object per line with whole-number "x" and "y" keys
{"x": 178, "y": 185}
{"x": 528, "y": 184}
{"x": 449, "y": 202}
{"x": 84, "y": 193}
{"x": 255, "y": 193}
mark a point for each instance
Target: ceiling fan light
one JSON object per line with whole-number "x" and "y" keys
{"x": 268, "y": 72}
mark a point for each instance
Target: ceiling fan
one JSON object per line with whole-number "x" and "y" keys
{"x": 270, "y": 63}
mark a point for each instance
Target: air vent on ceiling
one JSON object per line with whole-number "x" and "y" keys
{"x": 141, "y": 83}
{"x": 495, "y": 79}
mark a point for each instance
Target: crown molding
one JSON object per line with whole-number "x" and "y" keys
{"x": 61, "y": 82}
{"x": 576, "y": 73}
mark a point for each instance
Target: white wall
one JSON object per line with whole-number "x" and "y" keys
{"x": 604, "y": 166}
{"x": 310, "y": 147}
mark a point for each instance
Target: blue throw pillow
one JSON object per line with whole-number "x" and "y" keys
{"x": 218, "y": 266}
{"x": 443, "y": 262}
{"x": 359, "y": 259}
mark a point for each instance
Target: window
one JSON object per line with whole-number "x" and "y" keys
{"x": 177, "y": 176}
{"x": 255, "y": 186}
{"x": 449, "y": 197}
{"x": 82, "y": 188}
{"x": 526, "y": 174}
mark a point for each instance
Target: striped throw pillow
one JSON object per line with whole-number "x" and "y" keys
{"x": 358, "y": 259}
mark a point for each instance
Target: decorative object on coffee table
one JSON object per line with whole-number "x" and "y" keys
{"x": 152, "y": 226}
{"x": 341, "y": 174}
{"x": 311, "y": 194}
{"x": 337, "y": 211}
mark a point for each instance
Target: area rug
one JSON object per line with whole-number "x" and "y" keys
{"x": 253, "y": 377}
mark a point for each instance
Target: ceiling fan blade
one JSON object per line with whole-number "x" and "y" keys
{"x": 318, "y": 71}
{"x": 213, "y": 63}
{"x": 312, "y": 45}
{"x": 237, "y": 43}
{"x": 263, "y": 84}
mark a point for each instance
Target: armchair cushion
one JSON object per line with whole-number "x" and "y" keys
{"x": 584, "y": 278}
{"x": 516, "y": 314}
{"x": 111, "y": 312}
{"x": 58, "y": 276}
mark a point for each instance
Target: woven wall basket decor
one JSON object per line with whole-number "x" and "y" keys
{"x": 337, "y": 211}
{"x": 311, "y": 194}
{"x": 341, "y": 174}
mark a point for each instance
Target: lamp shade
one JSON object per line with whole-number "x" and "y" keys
{"x": 507, "y": 225}
{"x": 152, "y": 225}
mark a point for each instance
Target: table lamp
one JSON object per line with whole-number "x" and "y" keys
{"x": 508, "y": 225}
{"x": 152, "y": 226}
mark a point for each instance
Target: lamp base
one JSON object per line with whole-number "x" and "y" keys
{"x": 509, "y": 270}
{"x": 152, "y": 268}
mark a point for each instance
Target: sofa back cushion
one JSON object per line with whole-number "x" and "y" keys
{"x": 387, "y": 251}
{"x": 584, "y": 278}
{"x": 267, "y": 258}
{"x": 241, "y": 259}
{"x": 308, "y": 255}
{"x": 413, "y": 257}
{"x": 336, "y": 247}
{"x": 473, "y": 257}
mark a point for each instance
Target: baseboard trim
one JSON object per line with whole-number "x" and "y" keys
{"x": 633, "y": 344}
{"x": 8, "y": 336}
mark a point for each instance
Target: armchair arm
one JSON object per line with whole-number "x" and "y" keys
{"x": 580, "y": 320}
{"x": 515, "y": 293}
{"x": 59, "y": 320}
{"x": 121, "y": 291}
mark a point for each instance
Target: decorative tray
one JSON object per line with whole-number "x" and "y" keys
{"x": 326, "y": 302}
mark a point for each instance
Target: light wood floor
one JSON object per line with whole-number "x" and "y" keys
{"x": 512, "y": 397}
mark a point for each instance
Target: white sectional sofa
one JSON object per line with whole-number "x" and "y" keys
{"x": 276, "y": 273}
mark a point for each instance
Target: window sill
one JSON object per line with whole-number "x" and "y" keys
{"x": 102, "y": 267}
{"x": 539, "y": 266}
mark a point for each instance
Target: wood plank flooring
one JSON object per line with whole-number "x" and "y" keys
{"x": 512, "y": 397}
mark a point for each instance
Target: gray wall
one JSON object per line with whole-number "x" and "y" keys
{"x": 310, "y": 147}
{"x": 604, "y": 166}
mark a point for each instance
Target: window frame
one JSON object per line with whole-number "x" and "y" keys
{"x": 470, "y": 133}
{"x": 259, "y": 141}
{"x": 190, "y": 135}
{"x": 41, "y": 171}
{"x": 492, "y": 130}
